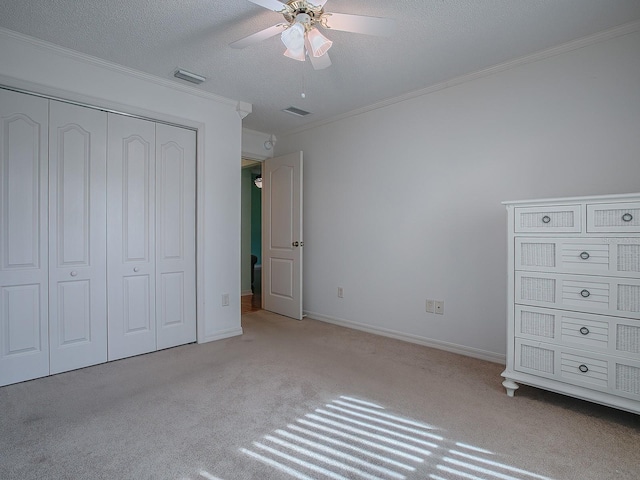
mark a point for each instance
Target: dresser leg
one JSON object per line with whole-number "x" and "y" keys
{"x": 511, "y": 386}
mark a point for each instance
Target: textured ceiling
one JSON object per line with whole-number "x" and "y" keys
{"x": 436, "y": 40}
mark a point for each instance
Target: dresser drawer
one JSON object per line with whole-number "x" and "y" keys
{"x": 596, "y": 333}
{"x": 613, "y": 217}
{"x": 597, "y": 255}
{"x": 583, "y": 293}
{"x": 559, "y": 219}
{"x": 620, "y": 376}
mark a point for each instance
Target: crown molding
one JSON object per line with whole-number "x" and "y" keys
{"x": 608, "y": 34}
{"x": 98, "y": 62}
{"x": 243, "y": 109}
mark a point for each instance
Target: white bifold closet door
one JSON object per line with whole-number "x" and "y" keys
{"x": 150, "y": 236}
{"x": 175, "y": 235}
{"x": 77, "y": 237}
{"x": 24, "y": 330}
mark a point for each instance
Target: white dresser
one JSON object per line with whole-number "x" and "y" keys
{"x": 574, "y": 298}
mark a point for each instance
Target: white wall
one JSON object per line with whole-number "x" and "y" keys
{"x": 257, "y": 145}
{"x": 37, "y": 66}
{"x": 402, "y": 203}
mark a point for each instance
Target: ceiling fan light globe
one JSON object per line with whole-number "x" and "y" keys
{"x": 295, "y": 54}
{"x": 293, "y": 37}
{"x": 318, "y": 42}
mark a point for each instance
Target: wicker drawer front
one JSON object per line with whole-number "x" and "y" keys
{"x": 601, "y": 372}
{"x": 604, "y": 295}
{"x": 627, "y": 379}
{"x": 537, "y": 323}
{"x": 627, "y": 338}
{"x": 536, "y": 358}
{"x": 565, "y": 219}
{"x": 613, "y": 217}
{"x": 595, "y": 333}
{"x": 594, "y": 256}
{"x": 628, "y": 255}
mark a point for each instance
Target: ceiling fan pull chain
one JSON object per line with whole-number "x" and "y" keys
{"x": 304, "y": 81}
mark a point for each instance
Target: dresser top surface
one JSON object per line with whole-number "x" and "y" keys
{"x": 623, "y": 197}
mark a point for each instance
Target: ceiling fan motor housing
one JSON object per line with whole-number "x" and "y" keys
{"x": 296, "y": 7}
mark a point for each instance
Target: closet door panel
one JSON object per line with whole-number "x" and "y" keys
{"x": 131, "y": 273}
{"x": 176, "y": 243}
{"x": 77, "y": 236}
{"x": 24, "y": 334}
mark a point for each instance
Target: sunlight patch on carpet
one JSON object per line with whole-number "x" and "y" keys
{"x": 352, "y": 438}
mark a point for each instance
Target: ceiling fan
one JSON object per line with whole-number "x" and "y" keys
{"x": 300, "y": 33}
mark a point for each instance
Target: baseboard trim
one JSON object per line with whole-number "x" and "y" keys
{"x": 246, "y": 293}
{"x": 427, "y": 342}
{"x": 222, "y": 334}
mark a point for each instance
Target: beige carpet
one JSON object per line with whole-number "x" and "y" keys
{"x": 305, "y": 400}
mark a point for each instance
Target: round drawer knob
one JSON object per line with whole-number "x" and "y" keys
{"x": 546, "y": 219}
{"x": 584, "y": 255}
{"x": 584, "y": 331}
{"x": 136, "y": 269}
{"x": 585, "y": 293}
{"x": 74, "y": 273}
{"x": 583, "y": 368}
{"x": 627, "y": 217}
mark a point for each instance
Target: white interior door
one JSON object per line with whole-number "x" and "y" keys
{"x": 24, "y": 332}
{"x": 77, "y": 237}
{"x": 175, "y": 235}
{"x": 131, "y": 236}
{"x": 282, "y": 240}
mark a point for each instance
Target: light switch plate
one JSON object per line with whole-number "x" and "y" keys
{"x": 431, "y": 306}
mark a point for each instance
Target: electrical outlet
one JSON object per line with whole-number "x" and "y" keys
{"x": 340, "y": 292}
{"x": 439, "y": 304}
{"x": 225, "y": 299}
{"x": 431, "y": 308}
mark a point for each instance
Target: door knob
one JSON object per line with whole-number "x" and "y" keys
{"x": 296, "y": 244}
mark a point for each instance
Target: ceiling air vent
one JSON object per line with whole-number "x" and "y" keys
{"x": 189, "y": 77}
{"x": 296, "y": 111}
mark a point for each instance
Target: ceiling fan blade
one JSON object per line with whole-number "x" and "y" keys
{"x": 317, "y": 3}
{"x": 259, "y": 36}
{"x": 320, "y": 63}
{"x": 274, "y": 5}
{"x": 383, "y": 27}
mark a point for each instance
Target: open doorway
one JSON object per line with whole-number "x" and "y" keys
{"x": 251, "y": 237}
